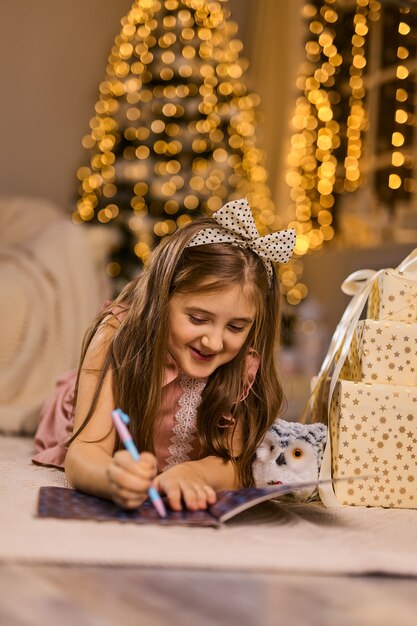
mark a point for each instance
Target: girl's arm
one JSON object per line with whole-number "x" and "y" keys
{"x": 196, "y": 482}
{"x": 90, "y": 465}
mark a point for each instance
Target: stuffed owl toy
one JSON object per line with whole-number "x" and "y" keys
{"x": 290, "y": 452}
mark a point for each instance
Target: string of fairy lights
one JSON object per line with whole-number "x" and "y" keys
{"x": 357, "y": 119}
{"x": 327, "y": 145}
{"x": 174, "y": 127}
{"x": 312, "y": 165}
{"x": 399, "y": 159}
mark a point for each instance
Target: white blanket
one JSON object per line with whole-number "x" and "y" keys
{"x": 302, "y": 538}
{"x": 50, "y": 293}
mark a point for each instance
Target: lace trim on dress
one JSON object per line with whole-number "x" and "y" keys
{"x": 185, "y": 420}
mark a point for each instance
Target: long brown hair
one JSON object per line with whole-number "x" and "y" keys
{"x": 137, "y": 353}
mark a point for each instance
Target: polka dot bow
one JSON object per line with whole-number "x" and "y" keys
{"x": 239, "y": 229}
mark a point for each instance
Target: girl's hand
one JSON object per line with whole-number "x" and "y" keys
{"x": 184, "y": 482}
{"x": 130, "y": 480}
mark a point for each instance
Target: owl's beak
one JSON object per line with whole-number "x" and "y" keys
{"x": 280, "y": 460}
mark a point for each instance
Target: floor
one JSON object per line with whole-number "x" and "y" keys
{"x": 41, "y": 595}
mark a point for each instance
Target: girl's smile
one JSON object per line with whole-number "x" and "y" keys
{"x": 207, "y": 330}
{"x": 200, "y": 356}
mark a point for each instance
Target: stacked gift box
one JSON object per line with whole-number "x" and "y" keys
{"x": 373, "y": 412}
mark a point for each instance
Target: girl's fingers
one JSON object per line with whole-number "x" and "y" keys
{"x": 195, "y": 497}
{"x": 128, "y": 503}
{"x": 146, "y": 465}
{"x": 211, "y": 494}
{"x": 145, "y": 468}
{"x": 134, "y": 482}
{"x": 149, "y": 460}
{"x": 125, "y": 480}
{"x": 129, "y": 479}
{"x": 173, "y": 493}
{"x": 129, "y": 498}
{"x": 127, "y": 494}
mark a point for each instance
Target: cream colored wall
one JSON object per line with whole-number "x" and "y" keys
{"x": 53, "y": 55}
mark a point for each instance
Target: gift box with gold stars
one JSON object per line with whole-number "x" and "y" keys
{"x": 374, "y": 434}
{"x": 394, "y": 297}
{"x": 382, "y": 352}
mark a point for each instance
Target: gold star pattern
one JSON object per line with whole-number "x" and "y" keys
{"x": 392, "y": 447}
{"x": 394, "y": 297}
{"x": 398, "y": 342}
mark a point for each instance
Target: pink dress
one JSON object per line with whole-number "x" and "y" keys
{"x": 175, "y": 439}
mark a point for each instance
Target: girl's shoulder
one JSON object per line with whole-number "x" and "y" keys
{"x": 112, "y": 318}
{"x": 114, "y": 314}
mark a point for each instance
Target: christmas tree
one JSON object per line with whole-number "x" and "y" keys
{"x": 173, "y": 134}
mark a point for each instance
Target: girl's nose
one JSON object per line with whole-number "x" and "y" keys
{"x": 213, "y": 341}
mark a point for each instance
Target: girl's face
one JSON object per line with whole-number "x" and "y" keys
{"x": 207, "y": 330}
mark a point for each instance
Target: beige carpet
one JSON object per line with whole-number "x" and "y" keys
{"x": 270, "y": 538}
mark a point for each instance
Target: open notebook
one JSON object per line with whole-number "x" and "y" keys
{"x": 65, "y": 503}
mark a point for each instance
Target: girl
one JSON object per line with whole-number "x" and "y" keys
{"x": 187, "y": 351}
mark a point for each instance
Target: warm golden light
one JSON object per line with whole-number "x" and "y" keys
{"x": 401, "y": 95}
{"x": 173, "y": 131}
{"x": 394, "y": 181}
{"x": 403, "y": 28}
{"x": 402, "y": 72}
{"x": 397, "y": 159}
{"x": 326, "y": 152}
{"x": 401, "y": 116}
{"x": 169, "y": 62}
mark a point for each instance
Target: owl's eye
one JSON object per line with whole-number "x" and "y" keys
{"x": 297, "y": 453}
{"x": 271, "y": 447}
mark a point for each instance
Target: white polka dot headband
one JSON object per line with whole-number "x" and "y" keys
{"x": 239, "y": 229}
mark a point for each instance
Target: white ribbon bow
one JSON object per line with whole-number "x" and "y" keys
{"x": 238, "y": 228}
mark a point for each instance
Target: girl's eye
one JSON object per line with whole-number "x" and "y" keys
{"x": 297, "y": 453}
{"x": 236, "y": 329}
{"x": 197, "y": 320}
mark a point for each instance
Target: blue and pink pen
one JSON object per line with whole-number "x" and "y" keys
{"x": 120, "y": 421}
